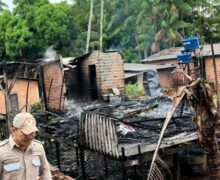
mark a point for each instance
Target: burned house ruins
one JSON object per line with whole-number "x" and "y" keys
{"x": 94, "y": 75}
{"x": 125, "y": 133}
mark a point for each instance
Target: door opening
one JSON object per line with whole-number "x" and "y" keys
{"x": 93, "y": 82}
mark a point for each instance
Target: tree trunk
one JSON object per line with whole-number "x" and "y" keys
{"x": 89, "y": 26}
{"x": 101, "y": 25}
{"x": 206, "y": 121}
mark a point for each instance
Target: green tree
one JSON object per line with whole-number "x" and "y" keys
{"x": 2, "y": 6}
{"x": 5, "y": 18}
{"x": 18, "y": 38}
{"x": 35, "y": 26}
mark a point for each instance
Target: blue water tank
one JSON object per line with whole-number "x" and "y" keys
{"x": 184, "y": 57}
{"x": 191, "y": 43}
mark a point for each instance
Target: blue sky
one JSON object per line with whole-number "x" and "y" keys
{"x": 10, "y": 4}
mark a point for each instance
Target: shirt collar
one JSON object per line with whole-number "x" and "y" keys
{"x": 12, "y": 144}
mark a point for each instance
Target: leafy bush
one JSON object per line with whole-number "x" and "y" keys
{"x": 134, "y": 91}
{"x": 37, "y": 110}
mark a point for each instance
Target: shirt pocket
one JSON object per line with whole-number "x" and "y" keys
{"x": 35, "y": 164}
{"x": 11, "y": 168}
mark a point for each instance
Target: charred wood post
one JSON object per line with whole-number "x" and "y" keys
{"x": 81, "y": 151}
{"x": 27, "y": 94}
{"x": 215, "y": 68}
{"x": 206, "y": 119}
{"x": 61, "y": 93}
{"x": 122, "y": 164}
{"x": 106, "y": 167}
{"x": 48, "y": 99}
{"x": 58, "y": 153}
{"x": 7, "y": 96}
{"x": 82, "y": 160}
{"x": 43, "y": 87}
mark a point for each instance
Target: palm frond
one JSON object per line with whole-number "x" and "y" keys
{"x": 180, "y": 24}
{"x": 156, "y": 173}
{"x": 155, "y": 47}
{"x": 184, "y": 7}
{"x": 170, "y": 113}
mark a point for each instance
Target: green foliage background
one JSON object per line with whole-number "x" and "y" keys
{"x": 134, "y": 91}
{"x": 137, "y": 28}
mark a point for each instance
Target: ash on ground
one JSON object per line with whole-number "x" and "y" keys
{"x": 139, "y": 121}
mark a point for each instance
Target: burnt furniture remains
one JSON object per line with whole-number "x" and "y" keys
{"x": 98, "y": 133}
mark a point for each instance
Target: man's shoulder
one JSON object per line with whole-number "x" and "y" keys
{"x": 36, "y": 141}
{"x": 37, "y": 145}
{"x": 3, "y": 143}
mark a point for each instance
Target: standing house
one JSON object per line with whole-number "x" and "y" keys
{"x": 24, "y": 93}
{"x": 95, "y": 74}
{"x": 135, "y": 72}
{"x": 203, "y": 67}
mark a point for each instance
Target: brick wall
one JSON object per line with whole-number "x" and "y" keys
{"x": 209, "y": 69}
{"x": 172, "y": 80}
{"x": 20, "y": 88}
{"x": 53, "y": 91}
{"x": 2, "y": 103}
{"x": 166, "y": 78}
{"x": 109, "y": 72}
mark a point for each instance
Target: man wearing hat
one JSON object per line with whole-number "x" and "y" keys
{"x": 21, "y": 156}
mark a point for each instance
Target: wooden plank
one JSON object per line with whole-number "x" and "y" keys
{"x": 101, "y": 145}
{"x": 108, "y": 133}
{"x": 88, "y": 127}
{"x": 131, "y": 150}
{"x": 82, "y": 126}
{"x": 96, "y": 133}
{"x": 99, "y": 127}
{"x": 105, "y": 137}
{"x": 115, "y": 140}
{"x": 85, "y": 131}
{"x": 91, "y": 130}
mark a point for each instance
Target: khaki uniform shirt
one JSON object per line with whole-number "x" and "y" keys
{"x": 16, "y": 164}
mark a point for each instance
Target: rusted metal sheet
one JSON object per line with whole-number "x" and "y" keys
{"x": 98, "y": 133}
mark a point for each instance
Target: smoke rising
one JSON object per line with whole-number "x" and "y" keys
{"x": 50, "y": 53}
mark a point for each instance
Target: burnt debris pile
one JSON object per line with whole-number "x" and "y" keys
{"x": 137, "y": 121}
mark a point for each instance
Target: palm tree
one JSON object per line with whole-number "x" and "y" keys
{"x": 168, "y": 24}
{"x": 89, "y": 25}
{"x": 101, "y": 25}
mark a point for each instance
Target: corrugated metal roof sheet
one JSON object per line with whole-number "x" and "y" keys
{"x": 173, "y": 52}
{"x": 144, "y": 67}
{"x": 131, "y": 74}
{"x": 67, "y": 60}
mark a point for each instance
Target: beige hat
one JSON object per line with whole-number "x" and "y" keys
{"x": 26, "y": 122}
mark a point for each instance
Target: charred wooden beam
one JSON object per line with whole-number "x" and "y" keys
{"x": 27, "y": 94}
{"x": 159, "y": 119}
